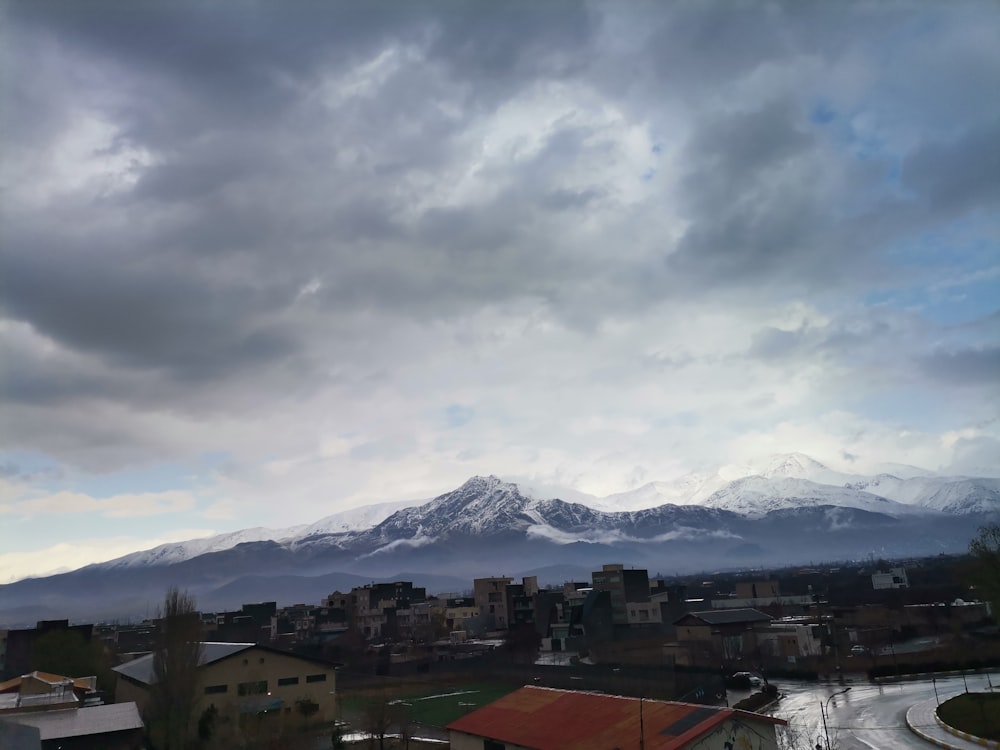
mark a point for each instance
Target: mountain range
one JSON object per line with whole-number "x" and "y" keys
{"x": 791, "y": 509}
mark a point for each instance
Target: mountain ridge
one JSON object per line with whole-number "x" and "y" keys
{"x": 488, "y": 525}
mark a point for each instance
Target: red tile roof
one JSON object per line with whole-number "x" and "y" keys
{"x": 549, "y": 719}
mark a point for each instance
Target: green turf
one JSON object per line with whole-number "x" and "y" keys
{"x": 436, "y": 705}
{"x": 438, "y": 708}
{"x": 975, "y": 713}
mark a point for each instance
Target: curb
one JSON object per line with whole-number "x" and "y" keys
{"x": 965, "y": 735}
{"x": 927, "y": 675}
{"x": 927, "y": 737}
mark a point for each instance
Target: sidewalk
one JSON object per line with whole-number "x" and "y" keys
{"x": 922, "y": 722}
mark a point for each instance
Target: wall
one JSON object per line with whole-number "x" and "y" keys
{"x": 251, "y": 666}
{"x": 462, "y": 741}
{"x": 256, "y": 665}
{"x": 738, "y": 734}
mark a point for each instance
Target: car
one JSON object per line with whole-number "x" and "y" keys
{"x": 858, "y": 650}
{"x": 750, "y": 677}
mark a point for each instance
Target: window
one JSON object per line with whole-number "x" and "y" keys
{"x": 315, "y": 678}
{"x": 252, "y": 688}
{"x": 216, "y": 689}
{"x": 288, "y": 681}
{"x": 493, "y": 745}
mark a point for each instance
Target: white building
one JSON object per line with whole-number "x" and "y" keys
{"x": 895, "y": 578}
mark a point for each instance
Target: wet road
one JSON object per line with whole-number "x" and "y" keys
{"x": 868, "y": 717}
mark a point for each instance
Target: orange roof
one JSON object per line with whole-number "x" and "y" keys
{"x": 549, "y": 719}
{"x": 14, "y": 685}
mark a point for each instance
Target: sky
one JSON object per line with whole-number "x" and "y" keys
{"x": 261, "y": 262}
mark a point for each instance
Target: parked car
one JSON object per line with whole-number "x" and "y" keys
{"x": 749, "y": 677}
{"x": 858, "y": 650}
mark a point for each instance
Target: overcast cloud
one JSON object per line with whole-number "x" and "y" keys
{"x": 261, "y": 262}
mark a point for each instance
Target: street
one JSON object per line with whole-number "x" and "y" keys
{"x": 869, "y": 716}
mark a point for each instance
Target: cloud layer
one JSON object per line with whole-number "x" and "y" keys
{"x": 281, "y": 259}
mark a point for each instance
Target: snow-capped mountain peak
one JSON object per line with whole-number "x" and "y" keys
{"x": 490, "y": 505}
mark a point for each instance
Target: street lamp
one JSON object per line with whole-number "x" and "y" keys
{"x": 823, "y": 710}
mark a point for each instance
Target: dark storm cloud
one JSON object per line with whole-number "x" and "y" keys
{"x": 138, "y": 312}
{"x": 970, "y": 366}
{"x": 265, "y": 178}
{"x": 690, "y": 47}
{"x": 753, "y": 199}
{"x": 958, "y": 176}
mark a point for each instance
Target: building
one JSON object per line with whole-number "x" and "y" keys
{"x": 757, "y": 590}
{"x": 250, "y": 686}
{"x": 643, "y": 613}
{"x": 19, "y": 645}
{"x": 457, "y": 609}
{"x": 711, "y": 636}
{"x": 52, "y": 711}
{"x": 625, "y": 586}
{"x": 43, "y": 690}
{"x": 520, "y": 601}
{"x": 117, "y": 726}
{"x": 790, "y": 640}
{"x": 376, "y": 605}
{"x": 894, "y": 578}
{"x": 547, "y": 719}
{"x": 490, "y": 595}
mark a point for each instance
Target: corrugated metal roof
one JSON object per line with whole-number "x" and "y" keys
{"x": 549, "y": 719}
{"x": 141, "y": 669}
{"x": 730, "y": 616}
{"x": 77, "y": 722}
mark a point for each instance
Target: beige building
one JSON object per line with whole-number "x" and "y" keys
{"x": 491, "y": 598}
{"x": 253, "y": 688}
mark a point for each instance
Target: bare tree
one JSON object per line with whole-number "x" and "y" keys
{"x": 173, "y": 695}
{"x": 380, "y": 716}
{"x": 796, "y": 737}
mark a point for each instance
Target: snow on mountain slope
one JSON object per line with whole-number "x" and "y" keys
{"x": 356, "y": 519}
{"x": 690, "y": 489}
{"x": 167, "y": 554}
{"x": 482, "y": 504}
{"x": 903, "y": 471}
{"x": 910, "y": 491}
{"x": 956, "y": 495}
{"x": 756, "y": 496}
{"x": 801, "y": 466}
{"x": 544, "y": 491}
{"x": 962, "y": 496}
{"x": 487, "y": 505}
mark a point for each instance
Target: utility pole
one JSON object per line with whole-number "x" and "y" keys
{"x": 823, "y": 710}
{"x": 642, "y": 732}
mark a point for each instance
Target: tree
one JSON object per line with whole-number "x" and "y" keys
{"x": 985, "y": 569}
{"x": 380, "y": 715}
{"x": 173, "y": 695}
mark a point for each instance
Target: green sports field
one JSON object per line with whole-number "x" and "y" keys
{"x": 438, "y": 705}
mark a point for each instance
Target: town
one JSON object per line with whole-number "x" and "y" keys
{"x": 390, "y": 662}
